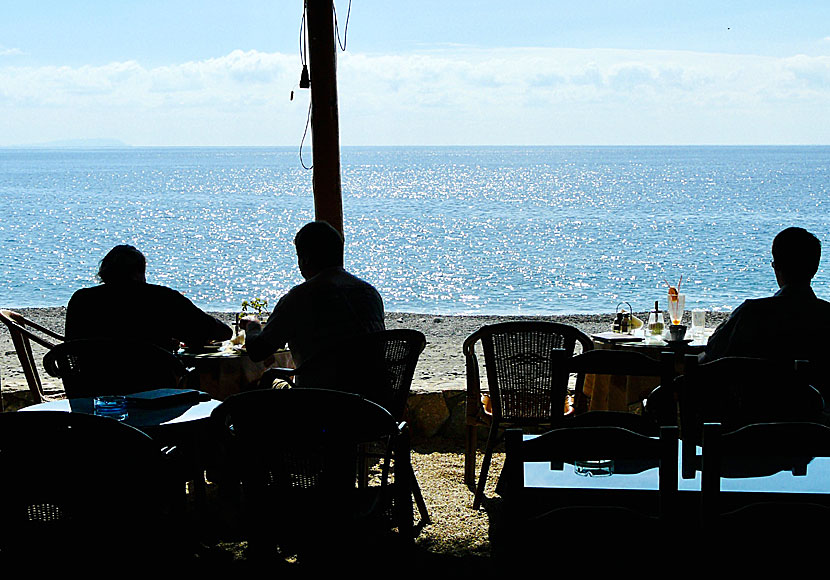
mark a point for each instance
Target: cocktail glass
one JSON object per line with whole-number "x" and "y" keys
{"x": 677, "y": 305}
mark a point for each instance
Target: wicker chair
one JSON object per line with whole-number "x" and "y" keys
{"x": 23, "y": 333}
{"x": 80, "y": 484}
{"x": 379, "y": 366}
{"x": 104, "y": 366}
{"x": 295, "y": 452}
{"x": 527, "y": 381}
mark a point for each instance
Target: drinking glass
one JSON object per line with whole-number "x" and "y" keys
{"x": 698, "y": 323}
{"x": 112, "y": 406}
{"x": 676, "y": 308}
{"x": 596, "y": 468}
{"x": 654, "y": 333}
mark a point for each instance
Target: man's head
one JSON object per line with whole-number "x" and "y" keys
{"x": 795, "y": 254}
{"x": 318, "y": 246}
{"x": 121, "y": 264}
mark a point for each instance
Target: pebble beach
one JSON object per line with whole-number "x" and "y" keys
{"x": 440, "y": 367}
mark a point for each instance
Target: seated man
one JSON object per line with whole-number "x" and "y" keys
{"x": 330, "y": 306}
{"x": 790, "y": 325}
{"x": 126, "y": 307}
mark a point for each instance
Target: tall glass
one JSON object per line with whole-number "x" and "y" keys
{"x": 698, "y": 323}
{"x": 677, "y": 305}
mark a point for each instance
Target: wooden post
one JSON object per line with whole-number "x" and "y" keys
{"x": 325, "y": 129}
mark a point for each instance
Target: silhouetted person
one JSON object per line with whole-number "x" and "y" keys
{"x": 790, "y": 325}
{"x": 330, "y": 306}
{"x": 125, "y": 306}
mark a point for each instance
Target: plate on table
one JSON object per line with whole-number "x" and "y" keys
{"x": 616, "y": 337}
{"x": 676, "y": 343}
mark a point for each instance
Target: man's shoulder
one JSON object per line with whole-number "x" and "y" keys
{"x": 785, "y": 302}
{"x": 158, "y": 290}
{"x": 334, "y": 278}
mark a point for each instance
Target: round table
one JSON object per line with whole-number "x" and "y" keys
{"x": 155, "y": 422}
{"x": 185, "y": 426}
{"x": 225, "y": 373}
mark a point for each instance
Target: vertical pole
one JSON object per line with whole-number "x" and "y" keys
{"x": 325, "y": 130}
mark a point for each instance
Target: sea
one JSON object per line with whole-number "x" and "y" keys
{"x": 438, "y": 230}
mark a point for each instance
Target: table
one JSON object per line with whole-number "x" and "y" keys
{"x": 186, "y": 426}
{"x": 225, "y": 373}
{"x": 623, "y": 393}
{"x": 154, "y": 422}
{"x": 543, "y": 483}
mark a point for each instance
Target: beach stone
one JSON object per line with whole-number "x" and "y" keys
{"x": 456, "y": 425}
{"x": 427, "y": 413}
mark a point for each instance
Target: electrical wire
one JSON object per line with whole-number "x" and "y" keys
{"x": 307, "y": 123}
{"x": 304, "y": 56}
{"x": 345, "y": 29}
{"x": 303, "y": 61}
{"x": 303, "y": 37}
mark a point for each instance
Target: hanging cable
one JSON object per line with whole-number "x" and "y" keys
{"x": 345, "y": 29}
{"x": 307, "y": 123}
{"x": 305, "y": 81}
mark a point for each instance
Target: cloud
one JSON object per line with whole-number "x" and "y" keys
{"x": 446, "y": 95}
{"x": 10, "y": 51}
{"x": 537, "y": 95}
{"x": 225, "y": 80}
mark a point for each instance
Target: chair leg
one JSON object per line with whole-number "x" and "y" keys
{"x": 419, "y": 499}
{"x": 471, "y": 441}
{"x": 485, "y": 466}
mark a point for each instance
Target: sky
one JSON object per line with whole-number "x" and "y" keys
{"x": 425, "y": 72}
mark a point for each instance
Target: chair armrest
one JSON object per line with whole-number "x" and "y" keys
{"x": 476, "y": 414}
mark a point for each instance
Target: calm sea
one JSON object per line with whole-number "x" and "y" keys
{"x": 450, "y": 230}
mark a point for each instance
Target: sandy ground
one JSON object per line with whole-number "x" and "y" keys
{"x": 441, "y": 365}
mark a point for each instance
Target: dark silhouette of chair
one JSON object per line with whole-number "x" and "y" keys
{"x": 534, "y": 516}
{"x": 295, "y": 452}
{"x": 527, "y": 382}
{"x": 23, "y": 333}
{"x": 81, "y": 489}
{"x": 104, "y": 366}
{"x": 628, "y": 363}
{"x": 378, "y": 365}
{"x": 759, "y": 450}
{"x": 737, "y": 391}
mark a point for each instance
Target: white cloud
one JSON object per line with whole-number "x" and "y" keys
{"x": 10, "y": 51}
{"x": 543, "y": 95}
{"x": 452, "y": 95}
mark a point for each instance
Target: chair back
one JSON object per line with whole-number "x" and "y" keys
{"x": 79, "y": 483}
{"x": 627, "y": 363}
{"x": 758, "y": 450}
{"x": 23, "y": 332}
{"x": 738, "y": 391}
{"x": 377, "y": 365}
{"x": 567, "y": 445}
{"x": 526, "y": 375}
{"x": 103, "y": 366}
{"x": 295, "y": 452}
